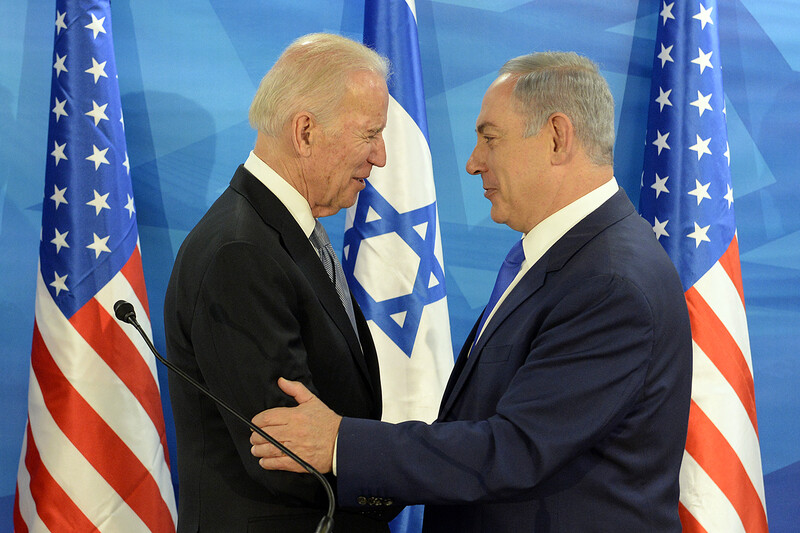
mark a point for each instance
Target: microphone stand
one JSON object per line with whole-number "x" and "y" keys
{"x": 124, "y": 312}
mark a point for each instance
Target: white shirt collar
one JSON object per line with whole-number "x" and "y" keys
{"x": 547, "y": 232}
{"x": 288, "y": 195}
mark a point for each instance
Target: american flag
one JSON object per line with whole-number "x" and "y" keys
{"x": 687, "y": 197}
{"x": 94, "y": 455}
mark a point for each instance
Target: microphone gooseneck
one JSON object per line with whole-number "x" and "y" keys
{"x": 125, "y": 312}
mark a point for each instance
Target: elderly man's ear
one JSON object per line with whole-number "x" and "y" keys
{"x": 562, "y": 138}
{"x": 304, "y": 131}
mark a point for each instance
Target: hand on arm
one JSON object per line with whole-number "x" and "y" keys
{"x": 309, "y": 430}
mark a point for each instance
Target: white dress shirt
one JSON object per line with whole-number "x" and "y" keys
{"x": 288, "y": 195}
{"x": 547, "y": 232}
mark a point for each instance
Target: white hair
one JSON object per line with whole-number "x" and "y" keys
{"x": 311, "y": 75}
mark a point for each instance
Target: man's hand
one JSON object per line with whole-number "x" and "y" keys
{"x": 309, "y": 430}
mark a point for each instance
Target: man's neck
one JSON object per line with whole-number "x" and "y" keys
{"x": 271, "y": 150}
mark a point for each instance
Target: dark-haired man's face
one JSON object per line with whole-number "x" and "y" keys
{"x": 513, "y": 167}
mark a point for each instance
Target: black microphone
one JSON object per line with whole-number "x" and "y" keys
{"x": 125, "y": 312}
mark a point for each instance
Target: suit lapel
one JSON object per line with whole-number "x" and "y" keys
{"x": 458, "y": 369}
{"x": 297, "y": 245}
{"x": 613, "y": 210}
{"x": 527, "y": 286}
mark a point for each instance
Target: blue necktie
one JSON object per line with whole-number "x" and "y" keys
{"x": 508, "y": 271}
{"x": 319, "y": 238}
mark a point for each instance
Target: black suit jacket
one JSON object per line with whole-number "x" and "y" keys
{"x": 569, "y": 414}
{"x": 249, "y": 301}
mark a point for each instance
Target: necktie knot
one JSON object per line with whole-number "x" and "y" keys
{"x": 319, "y": 238}
{"x": 515, "y": 257}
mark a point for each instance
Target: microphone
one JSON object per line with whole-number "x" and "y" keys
{"x": 125, "y": 313}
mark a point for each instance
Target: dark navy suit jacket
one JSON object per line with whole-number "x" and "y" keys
{"x": 249, "y": 301}
{"x": 570, "y": 413}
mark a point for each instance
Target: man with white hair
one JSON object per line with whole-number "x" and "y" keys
{"x": 568, "y": 406}
{"x": 257, "y": 291}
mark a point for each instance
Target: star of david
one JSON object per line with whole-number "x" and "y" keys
{"x": 392, "y": 221}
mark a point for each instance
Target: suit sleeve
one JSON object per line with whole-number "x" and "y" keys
{"x": 581, "y": 369}
{"x": 246, "y": 334}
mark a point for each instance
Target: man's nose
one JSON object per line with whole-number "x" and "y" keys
{"x": 474, "y": 163}
{"x": 378, "y": 154}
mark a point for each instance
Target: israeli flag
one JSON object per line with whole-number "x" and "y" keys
{"x": 392, "y": 249}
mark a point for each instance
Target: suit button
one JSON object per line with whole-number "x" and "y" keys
{"x": 374, "y": 501}
{"x": 361, "y": 500}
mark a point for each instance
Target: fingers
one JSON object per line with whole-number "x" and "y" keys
{"x": 265, "y": 450}
{"x": 271, "y": 417}
{"x": 280, "y": 463}
{"x": 296, "y": 390}
{"x": 309, "y": 430}
{"x": 279, "y": 416}
{"x": 256, "y": 439}
{"x": 272, "y": 458}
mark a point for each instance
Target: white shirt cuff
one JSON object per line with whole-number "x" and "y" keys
{"x": 333, "y": 460}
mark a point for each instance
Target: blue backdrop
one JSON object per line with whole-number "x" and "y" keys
{"x": 187, "y": 72}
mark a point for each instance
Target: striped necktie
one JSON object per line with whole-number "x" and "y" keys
{"x": 319, "y": 238}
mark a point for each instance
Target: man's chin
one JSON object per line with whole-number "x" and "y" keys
{"x": 497, "y": 215}
{"x": 353, "y": 194}
{"x": 344, "y": 203}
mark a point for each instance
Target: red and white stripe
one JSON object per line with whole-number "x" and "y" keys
{"x": 722, "y": 487}
{"x": 95, "y": 453}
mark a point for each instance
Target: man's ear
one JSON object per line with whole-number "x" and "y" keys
{"x": 304, "y": 130}
{"x": 563, "y": 138}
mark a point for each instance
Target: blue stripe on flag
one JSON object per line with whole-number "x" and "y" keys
{"x": 396, "y": 212}
{"x": 391, "y": 30}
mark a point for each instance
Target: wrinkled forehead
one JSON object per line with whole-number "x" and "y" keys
{"x": 364, "y": 104}
{"x": 364, "y": 89}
